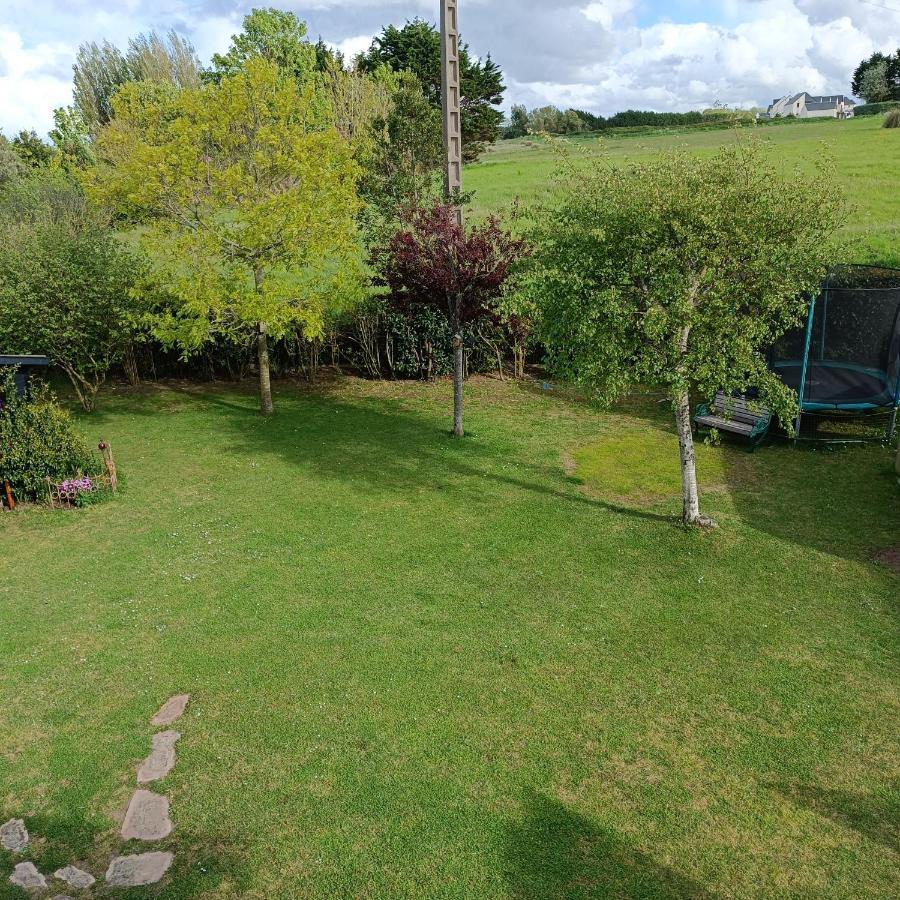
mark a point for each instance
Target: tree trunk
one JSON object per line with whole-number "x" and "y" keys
{"x": 266, "y": 406}
{"x": 458, "y": 379}
{"x": 691, "y": 513}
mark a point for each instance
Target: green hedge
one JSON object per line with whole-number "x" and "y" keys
{"x": 876, "y": 109}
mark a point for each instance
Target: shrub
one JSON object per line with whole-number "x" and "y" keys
{"x": 892, "y": 119}
{"x": 875, "y": 109}
{"x": 39, "y": 440}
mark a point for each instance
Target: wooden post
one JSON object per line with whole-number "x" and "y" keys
{"x": 110, "y": 464}
{"x": 7, "y": 490}
{"x": 452, "y": 101}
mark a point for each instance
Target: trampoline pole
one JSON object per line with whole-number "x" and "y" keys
{"x": 892, "y": 426}
{"x": 804, "y": 368}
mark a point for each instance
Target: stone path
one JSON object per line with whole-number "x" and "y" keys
{"x": 14, "y": 835}
{"x": 171, "y": 710}
{"x": 161, "y": 760}
{"x": 143, "y": 868}
{"x": 27, "y": 877}
{"x": 74, "y": 877}
{"x": 146, "y": 819}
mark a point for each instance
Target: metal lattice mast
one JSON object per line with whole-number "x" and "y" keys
{"x": 452, "y": 100}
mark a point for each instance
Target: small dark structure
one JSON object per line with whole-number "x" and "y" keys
{"x": 846, "y": 361}
{"x": 24, "y": 366}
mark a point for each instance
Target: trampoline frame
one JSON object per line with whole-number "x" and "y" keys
{"x": 812, "y": 406}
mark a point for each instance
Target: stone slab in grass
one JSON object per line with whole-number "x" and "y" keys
{"x": 27, "y": 877}
{"x": 161, "y": 760}
{"x": 62, "y": 897}
{"x": 171, "y": 710}
{"x": 14, "y": 835}
{"x": 147, "y": 818}
{"x": 134, "y": 871}
{"x": 75, "y": 877}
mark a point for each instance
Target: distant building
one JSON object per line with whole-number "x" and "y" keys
{"x": 806, "y": 106}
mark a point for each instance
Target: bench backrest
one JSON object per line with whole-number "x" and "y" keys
{"x": 739, "y": 410}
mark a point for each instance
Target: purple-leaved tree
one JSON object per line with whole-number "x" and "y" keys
{"x": 432, "y": 261}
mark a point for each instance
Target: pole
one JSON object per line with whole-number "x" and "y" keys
{"x": 452, "y": 101}
{"x": 804, "y": 368}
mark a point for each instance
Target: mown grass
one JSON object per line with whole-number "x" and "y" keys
{"x": 428, "y": 668}
{"x": 865, "y": 155}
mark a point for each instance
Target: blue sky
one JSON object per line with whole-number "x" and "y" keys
{"x": 602, "y": 55}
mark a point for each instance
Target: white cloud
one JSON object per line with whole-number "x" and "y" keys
{"x": 351, "y": 47}
{"x": 602, "y": 55}
{"x": 33, "y": 80}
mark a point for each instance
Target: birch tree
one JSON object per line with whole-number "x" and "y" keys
{"x": 680, "y": 272}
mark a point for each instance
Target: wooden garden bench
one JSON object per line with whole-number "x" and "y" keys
{"x": 735, "y": 415}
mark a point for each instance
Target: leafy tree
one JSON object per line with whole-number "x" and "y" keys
{"x": 11, "y": 164}
{"x": 432, "y": 261}
{"x": 274, "y": 35}
{"x": 32, "y": 150}
{"x": 169, "y": 59}
{"x": 65, "y": 282}
{"x": 680, "y": 271}
{"x": 404, "y": 171}
{"x": 71, "y": 139}
{"x": 252, "y": 199}
{"x": 518, "y": 123}
{"x": 416, "y": 48}
{"x": 101, "y": 69}
{"x": 870, "y": 75}
{"x": 874, "y": 86}
{"x": 592, "y": 122}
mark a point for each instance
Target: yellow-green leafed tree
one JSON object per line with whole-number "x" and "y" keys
{"x": 248, "y": 195}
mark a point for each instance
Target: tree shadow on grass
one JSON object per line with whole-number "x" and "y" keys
{"x": 876, "y": 816}
{"x": 556, "y": 853}
{"x": 378, "y": 445}
{"x": 840, "y": 500}
{"x": 203, "y": 863}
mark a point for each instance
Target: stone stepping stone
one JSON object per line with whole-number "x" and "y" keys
{"x": 75, "y": 877}
{"x": 62, "y": 897}
{"x": 171, "y": 710}
{"x": 147, "y": 818}
{"x": 161, "y": 760}
{"x": 133, "y": 871}
{"x": 14, "y": 835}
{"x": 26, "y": 876}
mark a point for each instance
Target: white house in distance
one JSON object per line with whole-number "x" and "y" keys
{"x": 806, "y": 106}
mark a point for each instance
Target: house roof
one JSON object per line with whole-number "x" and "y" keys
{"x": 831, "y": 101}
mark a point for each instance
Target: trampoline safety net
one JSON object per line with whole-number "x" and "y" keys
{"x": 848, "y": 355}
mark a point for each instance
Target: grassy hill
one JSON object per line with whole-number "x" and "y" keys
{"x": 866, "y": 156}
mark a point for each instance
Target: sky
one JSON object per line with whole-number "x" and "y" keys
{"x": 599, "y": 55}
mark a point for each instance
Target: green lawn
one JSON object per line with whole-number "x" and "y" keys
{"x": 488, "y": 668}
{"x": 866, "y": 156}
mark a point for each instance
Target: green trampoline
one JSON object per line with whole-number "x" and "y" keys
{"x": 847, "y": 358}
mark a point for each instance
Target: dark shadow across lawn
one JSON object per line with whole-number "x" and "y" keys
{"x": 376, "y": 445}
{"x": 875, "y": 815}
{"x": 555, "y": 853}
